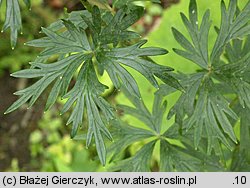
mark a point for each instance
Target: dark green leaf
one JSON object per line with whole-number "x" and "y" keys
{"x": 125, "y": 135}
{"x": 232, "y": 26}
{"x": 79, "y": 41}
{"x": 185, "y": 104}
{"x": 140, "y": 162}
{"x": 74, "y": 17}
{"x": 27, "y": 2}
{"x": 174, "y": 158}
{"x": 133, "y": 56}
{"x": 198, "y": 51}
{"x": 245, "y": 131}
{"x": 13, "y": 20}
{"x": 209, "y": 115}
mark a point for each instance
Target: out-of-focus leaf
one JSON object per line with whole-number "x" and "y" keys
{"x": 121, "y": 3}
{"x": 13, "y": 19}
{"x": 232, "y": 26}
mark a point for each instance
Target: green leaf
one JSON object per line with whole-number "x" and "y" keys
{"x": 235, "y": 73}
{"x": 115, "y": 30}
{"x": 232, "y": 26}
{"x": 87, "y": 42}
{"x": 211, "y": 112}
{"x": 74, "y": 40}
{"x": 77, "y": 34}
{"x": 62, "y": 43}
{"x": 74, "y": 17}
{"x": 169, "y": 79}
{"x": 203, "y": 108}
{"x": 245, "y": 132}
{"x": 197, "y": 51}
{"x": 102, "y": 4}
{"x": 13, "y": 20}
{"x": 134, "y": 57}
{"x": 174, "y": 158}
{"x": 87, "y": 91}
{"x": 48, "y": 72}
{"x": 182, "y": 40}
{"x": 120, "y": 76}
{"x": 125, "y": 135}
{"x": 151, "y": 120}
{"x": 185, "y": 104}
{"x": 182, "y": 155}
{"x": 140, "y": 162}
{"x": 193, "y": 12}
{"x": 54, "y": 93}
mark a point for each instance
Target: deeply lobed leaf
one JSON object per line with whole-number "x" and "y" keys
{"x": 79, "y": 41}
{"x": 202, "y": 108}
{"x": 13, "y": 19}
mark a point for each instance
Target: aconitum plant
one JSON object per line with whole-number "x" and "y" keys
{"x": 214, "y": 99}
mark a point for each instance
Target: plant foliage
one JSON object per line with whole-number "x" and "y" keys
{"x": 207, "y": 112}
{"x": 91, "y": 43}
{"x": 13, "y": 18}
{"x": 214, "y": 100}
{"x": 173, "y": 156}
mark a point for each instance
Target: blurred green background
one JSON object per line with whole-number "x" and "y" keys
{"x": 33, "y": 141}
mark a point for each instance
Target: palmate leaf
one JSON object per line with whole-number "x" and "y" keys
{"x": 74, "y": 17}
{"x": 74, "y": 41}
{"x": 172, "y": 156}
{"x": 233, "y": 26}
{"x": 86, "y": 92}
{"x": 79, "y": 41}
{"x": 108, "y": 59}
{"x": 210, "y": 117}
{"x": 115, "y": 29}
{"x": 125, "y": 135}
{"x": 175, "y": 158}
{"x": 197, "y": 51}
{"x": 152, "y": 120}
{"x": 185, "y": 104}
{"x": 203, "y": 109}
{"x": 186, "y": 157}
{"x": 236, "y": 72}
{"x": 133, "y": 56}
{"x": 207, "y": 117}
{"x": 13, "y": 19}
{"x": 140, "y": 162}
